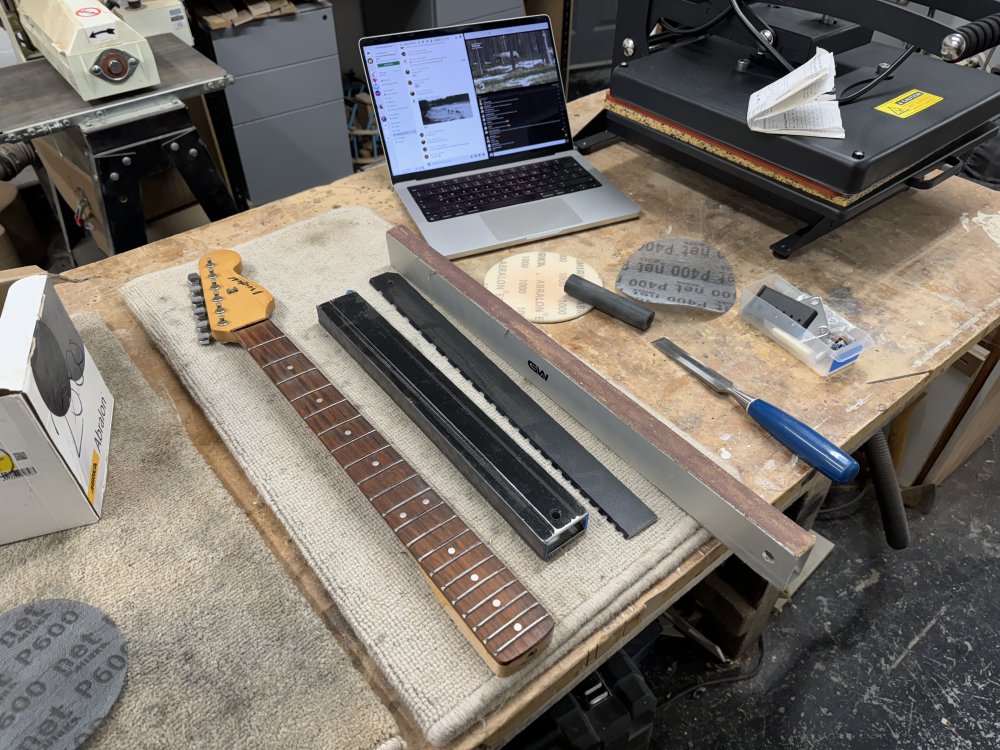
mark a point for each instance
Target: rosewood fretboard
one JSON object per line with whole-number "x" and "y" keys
{"x": 493, "y": 608}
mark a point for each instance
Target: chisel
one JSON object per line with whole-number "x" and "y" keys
{"x": 799, "y": 438}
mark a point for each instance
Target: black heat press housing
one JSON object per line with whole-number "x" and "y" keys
{"x": 686, "y": 97}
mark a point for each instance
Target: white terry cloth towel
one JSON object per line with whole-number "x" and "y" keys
{"x": 375, "y": 583}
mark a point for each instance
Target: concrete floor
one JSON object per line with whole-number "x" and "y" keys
{"x": 879, "y": 649}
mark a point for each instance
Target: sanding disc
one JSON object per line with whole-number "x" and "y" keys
{"x": 679, "y": 271}
{"x": 532, "y": 283}
{"x": 62, "y": 667}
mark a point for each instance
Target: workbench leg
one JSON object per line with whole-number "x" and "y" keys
{"x": 122, "y": 198}
{"x": 192, "y": 159}
{"x": 733, "y": 605}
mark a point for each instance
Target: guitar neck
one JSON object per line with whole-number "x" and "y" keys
{"x": 494, "y": 610}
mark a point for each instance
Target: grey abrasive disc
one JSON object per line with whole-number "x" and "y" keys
{"x": 679, "y": 271}
{"x": 62, "y": 667}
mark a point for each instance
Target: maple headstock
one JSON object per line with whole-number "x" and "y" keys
{"x": 224, "y": 301}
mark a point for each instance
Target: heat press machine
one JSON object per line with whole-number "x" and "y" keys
{"x": 684, "y": 71}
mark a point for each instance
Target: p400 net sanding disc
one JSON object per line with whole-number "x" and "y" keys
{"x": 679, "y": 271}
{"x": 532, "y": 283}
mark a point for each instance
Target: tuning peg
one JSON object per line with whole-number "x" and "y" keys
{"x": 200, "y": 312}
{"x": 202, "y": 326}
{"x": 197, "y": 299}
{"x": 204, "y": 339}
{"x": 194, "y": 278}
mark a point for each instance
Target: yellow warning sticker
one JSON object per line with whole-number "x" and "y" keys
{"x": 95, "y": 462}
{"x": 910, "y": 104}
{"x": 7, "y": 464}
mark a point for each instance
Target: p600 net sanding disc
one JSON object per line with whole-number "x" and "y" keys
{"x": 532, "y": 283}
{"x": 62, "y": 667}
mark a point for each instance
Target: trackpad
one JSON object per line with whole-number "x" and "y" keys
{"x": 531, "y": 218}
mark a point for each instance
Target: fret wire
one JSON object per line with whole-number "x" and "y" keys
{"x": 494, "y": 613}
{"x": 345, "y": 421}
{"x": 390, "y": 489}
{"x": 467, "y": 570}
{"x": 411, "y": 497}
{"x": 309, "y": 393}
{"x": 320, "y": 411}
{"x": 432, "y": 530}
{"x": 511, "y": 621}
{"x": 449, "y": 541}
{"x": 352, "y": 440}
{"x": 297, "y": 375}
{"x": 421, "y": 515}
{"x": 381, "y": 469}
{"x": 367, "y": 455}
{"x": 491, "y": 575}
{"x": 441, "y": 567}
{"x": 491, "y": 596}
{"x": 280, "y": 359}
{"x": 265, "y": 343}
{"x": 520, "y": 633}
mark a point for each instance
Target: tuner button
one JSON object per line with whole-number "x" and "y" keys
{"x": 204, "y": 339}
{"x": 201, "y": 312}
{"x": 202, "y": 326}
{"x": 197, "y": 299}
{"x": 194, "y": 278}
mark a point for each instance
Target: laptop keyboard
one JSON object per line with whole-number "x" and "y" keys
{"x": 501, "y": 187}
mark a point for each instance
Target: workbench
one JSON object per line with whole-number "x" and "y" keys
{"x": 920, "y": 273}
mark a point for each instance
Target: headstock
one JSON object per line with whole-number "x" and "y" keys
{"x": 224, "y": 301}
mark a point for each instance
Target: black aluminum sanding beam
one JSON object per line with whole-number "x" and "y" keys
{"x": 540, "y": 509}
{"x": 603, "y": 490}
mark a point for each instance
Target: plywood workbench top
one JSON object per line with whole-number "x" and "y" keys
{"x": 919, "y": 273}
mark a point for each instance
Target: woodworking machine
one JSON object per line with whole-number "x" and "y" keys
{"x": 684, "y": 71}
{"x": 101, "y": 52}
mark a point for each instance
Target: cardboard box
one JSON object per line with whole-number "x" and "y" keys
{"x": 55, "y": 414}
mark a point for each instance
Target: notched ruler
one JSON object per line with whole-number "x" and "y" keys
{"x": 760, "y": 535}
{"x": 603, "y": 490}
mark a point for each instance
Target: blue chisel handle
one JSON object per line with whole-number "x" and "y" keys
{"x": 804, "y": 442}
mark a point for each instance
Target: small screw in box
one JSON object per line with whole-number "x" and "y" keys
{"x": 816, "y": 334}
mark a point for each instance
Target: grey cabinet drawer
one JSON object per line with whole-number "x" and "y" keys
{"x": 275, "y": 42}
{"x": 293, "y": 152}
{"x": 273, "y": 92}
{"x": 461, "y": 11}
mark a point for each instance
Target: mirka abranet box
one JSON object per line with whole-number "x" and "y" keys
{"x": 55, "y": 414}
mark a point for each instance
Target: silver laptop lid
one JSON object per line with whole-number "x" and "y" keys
{"x": 452, "y": 99}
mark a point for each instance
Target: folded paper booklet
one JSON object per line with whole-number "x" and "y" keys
{"x": 801, "y": 103}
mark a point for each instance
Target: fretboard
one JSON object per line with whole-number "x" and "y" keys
{"x": 492, "y": 607}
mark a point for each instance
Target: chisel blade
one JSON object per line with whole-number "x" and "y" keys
{"x": 710, "y": 377}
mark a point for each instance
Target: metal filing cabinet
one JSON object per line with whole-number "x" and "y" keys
{"x": 287, "y": 105}
{"x": 424, "y": 14}
{"x": 594, "y": 24}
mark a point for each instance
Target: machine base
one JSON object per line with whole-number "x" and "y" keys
{"x": 822, "y": 216}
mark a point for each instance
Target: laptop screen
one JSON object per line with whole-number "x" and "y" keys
{"x": 463, "y": 96}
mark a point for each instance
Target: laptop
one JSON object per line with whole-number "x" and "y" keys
{"x": 476, "y": 134}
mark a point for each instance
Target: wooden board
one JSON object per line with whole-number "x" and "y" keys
{"x": 916, "y": 274}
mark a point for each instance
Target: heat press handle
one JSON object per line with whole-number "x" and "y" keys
{"x": 972, "y": 39}
{"x": 608, "y": 302}
{"x": 804, "y": 442}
